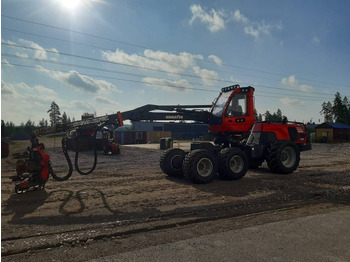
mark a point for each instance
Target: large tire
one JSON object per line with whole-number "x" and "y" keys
{"x": 171, "y": 162}
{"x": 200, "y": 166}
{"x": 283, "y": 157}
{"x": 233, "y": 163}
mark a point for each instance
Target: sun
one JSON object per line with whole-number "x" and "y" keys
{"x": 71, "y": 4}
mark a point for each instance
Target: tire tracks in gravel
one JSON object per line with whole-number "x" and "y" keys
{"x": 162, "y": 221}
{"x": 123, "y": 199}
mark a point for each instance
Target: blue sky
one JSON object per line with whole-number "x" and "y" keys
{"x": 101, "y": 57}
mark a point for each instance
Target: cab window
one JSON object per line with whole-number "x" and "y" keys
{"x": 237, "y": 106}
{"x": 220, "y": 104}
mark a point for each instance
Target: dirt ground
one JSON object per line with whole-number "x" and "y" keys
{"x": 128, "y": 203}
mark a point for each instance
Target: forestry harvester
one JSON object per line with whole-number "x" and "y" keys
{"x": 239, "y": 141}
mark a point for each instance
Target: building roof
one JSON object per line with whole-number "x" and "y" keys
{"x": 333, "y": 125}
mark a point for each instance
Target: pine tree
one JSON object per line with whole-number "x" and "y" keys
{"x": 268, "y": 116}
{"x": 346, "y": 108}
{"x": 42, "y": 123}
{"x": 54, "y": 114}
{"x": 64, "y": 118}
{"x": 338, "y": 108}
{"x": 327, "y": 111}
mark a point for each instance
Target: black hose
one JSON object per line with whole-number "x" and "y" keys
{"x": 76, "y": 162}
{"x": 70, "y": 165}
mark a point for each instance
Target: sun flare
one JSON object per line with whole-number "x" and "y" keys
{"x": 71, "y": 4}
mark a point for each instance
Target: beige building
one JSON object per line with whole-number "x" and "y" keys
{"x": 332, "y": 133}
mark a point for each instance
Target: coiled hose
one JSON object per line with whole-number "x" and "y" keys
{"x": 76, "y": 158}
{"x": 70, "y": 165}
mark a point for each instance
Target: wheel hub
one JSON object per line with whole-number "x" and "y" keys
{"x": 204, "y": 167}
{"x": 236, "y": 164}
{"x": 288, "y": 157}
{"x": 176, "y": 162}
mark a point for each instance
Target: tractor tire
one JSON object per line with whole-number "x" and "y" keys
{"x": 200, "y": 166}
{"x": 171, "y": 162}
{"x": 233, "y": 163}
{"x": 283, "y": 157}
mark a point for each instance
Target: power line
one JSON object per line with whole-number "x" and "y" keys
{"x": 169, "y": 85}
{"x": 106, "y": 49}
{"x": 144, "y": 68}
{"x": 145, "y": 47}
{"x": 85, "y": 67}
{"x": 75, "y": 32}
{"x": 120, "y": 79}
{"x": 117, "y": 63}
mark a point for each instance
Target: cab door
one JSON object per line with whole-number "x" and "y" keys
{"x": 236, "y": 112}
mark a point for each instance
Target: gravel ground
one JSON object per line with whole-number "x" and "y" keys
{"x": 128, "y": 203}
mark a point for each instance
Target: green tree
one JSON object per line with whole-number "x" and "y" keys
{"x": 268, "y": 116}
{"x": 276, "y": 116}
{"x": 279, "y": 115}
{"x": 54, "y": 114}
{"x": 64, "y": 118}
{"x": 42, "y": 123}
{"x": 327, "y": 111}
{"x": 338, "y": 112}
{"x": 346, "y": 106}
{"x": 341, "y": 109}
{"x": 10, "y": 128}
{"x": 29, "y": 126}
{"x": 3, "y": 128}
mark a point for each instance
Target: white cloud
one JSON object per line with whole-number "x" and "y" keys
{"x": 156, "y": 60}
{"x": 37, "y": 89}
{"x": 214, "y": 20}
{"x": 291, "y": 102}
{"x": 104, "y": 100}
{"x": 82, "y": 106}
{"x": 234, "y": 79}
{"x": 290, "y": 80}
{"x": 208, "y": 77}
{"x": 306, "y": 88}
{"x": 254, "y": 28}
{"x": 22, "y": 55}
{"x": 239, "y": 17}
{"x": 258, "y": 29}
{"x": 171, "y": 63}
{"x": 168, "y": 85}
{"x": 6, "y": 89}
{"x": 79, "y": 81}
{"x": 34, "y": 103}
{"x": 39, "y": 52}
{"x": 316, "y": 40}
{"x": 5, "y": 62}
{"x": 216, "y": 59}
{"x": 53, "y": 50}
{"x": 293, "y": 81}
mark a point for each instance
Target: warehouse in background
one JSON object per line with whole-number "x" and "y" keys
{"x": 151, "y": 132}
{"x": 332, "y": 133}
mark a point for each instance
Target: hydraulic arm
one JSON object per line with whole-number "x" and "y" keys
{"x": 173, "y": 112}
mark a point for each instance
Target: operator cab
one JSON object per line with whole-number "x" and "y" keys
{"x": 233, "y": 110}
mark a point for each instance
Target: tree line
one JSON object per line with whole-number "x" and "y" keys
{"x": 338, "y": 111}
{"x": 272, "y": 117}
{"x": 9, "y": 128}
